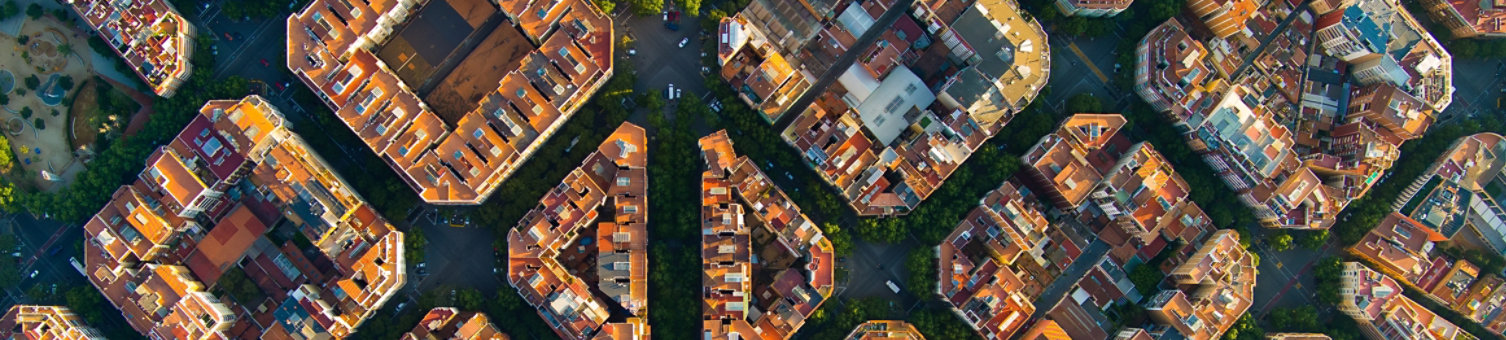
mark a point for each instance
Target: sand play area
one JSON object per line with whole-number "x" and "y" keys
{"x": 36, "y": 118}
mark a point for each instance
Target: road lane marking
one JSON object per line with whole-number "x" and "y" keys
{"x": 1089, "y": 62}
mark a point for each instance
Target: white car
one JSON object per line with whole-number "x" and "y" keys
{"x": 671, "y": 93}
{"x": 684, "y": 41}
{"x": 892, "y": 286}
{"x": 677, "y": 93}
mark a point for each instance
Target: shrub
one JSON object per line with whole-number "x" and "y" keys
{"x": 26, "y": 112}
{"x": 66, "y": 82}
{"x": 55, "y": 112}
{"x": 41, "y": 125}
{"x": 4, "y": 99}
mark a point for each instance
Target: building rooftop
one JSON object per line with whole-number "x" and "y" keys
{"x": 1375, "y": 301}
{"x": 1400, "y": 245}
{"x": 1216, "y": 285}
{"x": 1068, "y": 163}
{"x": 738, "y": 201}
{"x": 976, "y": 263}
{"x": 45, "y": 322}
{"x": 1006, "y": 74}
{"x": 885, "y": 330}
{"x": 1045, "y": 329}
{"x": 451, "y": 323}
{"x": 1487, "y": 18}
{"x": 155, "y": 40}
{"x": 453, "y": 134}
{"x": 1142, "y": 193}
{"x": 552, "y": 240}
{"x": 1172, "y": 68}
{"x": 153, "y": 265}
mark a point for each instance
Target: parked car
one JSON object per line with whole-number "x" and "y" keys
{"x": 671, "y": 93}
{"x": 684, "y": 41}
{"x": 892, "y": 286}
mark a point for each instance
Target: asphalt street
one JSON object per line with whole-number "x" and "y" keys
{"x": 457, "y": 256}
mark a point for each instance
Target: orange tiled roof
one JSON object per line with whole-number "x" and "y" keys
{"x": 461, "y": 161}
{"x": 149, "y": 263}
{"x": 730, "y": 187}
{"x": 616, "y": 171}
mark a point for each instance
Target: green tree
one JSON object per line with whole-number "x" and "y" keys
{"x": 646, "y": 7}
{"x": 1312, "y": 239}
{"x": 606, "y": 6}
{"x": 4, "y": 99}
{"x": 32, "y": 82}
{"x": 1084, "y": 103}
{"x": 65, "y": 82}
{"x": 1326, "y": 279}
{"x": 691, "y": 7}
{"x": 34, "y": 11}
{"x": 921, "y": 265}
{"x": 841, "y": 242}
{"x": 41, "y": 125}
{"x": 10, "y": 9}
{"x": 26, "y": 112}
{"x": 1147, "y": 278}
{"x": 414, "y": 244}
{"x": 10, "y": 273}
{"x": 1281, "y": 241}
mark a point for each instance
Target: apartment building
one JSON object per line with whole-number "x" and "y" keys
{"x": 789, "y": 24}
{"x": 1067, "y": 164}
{"x": 753, "y": 65}
{"x": 1171, "y": 69}
{"x": 417, "y": 81}
{"x": 1470, "y": 19}
{"x": 1294, "y": 138}
{"x": 894, "y": 126}
{"x": 885, "y": 330}
{"x": 1224, "y": 18}
{"x": 738, "y": 202}
{"x": 1385, "y": 44}
{"x": 1376, "y": 303}
{"x": 1092, "y": 8}
{"x": 1461, "y": 191}
{"x": 977, "y": 264}
{"x": 155, "y": 40}
{"x": 564, "y": 251}
{"x": 1401, "y": 247}
{"x": 159, "y": 260}
{"x": 45, "y": 322}
{"x": 451, "y": 323}
{"x": 1214, "y": 288}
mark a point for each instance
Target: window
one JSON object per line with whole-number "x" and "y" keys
{"x": 478, "y": 133}
{"x": 910, "y": 89}
{"x": 894, "y": 105}
{"x": 624, "y": 181}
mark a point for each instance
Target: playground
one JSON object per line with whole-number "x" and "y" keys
{"x": 41, "y": 70}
